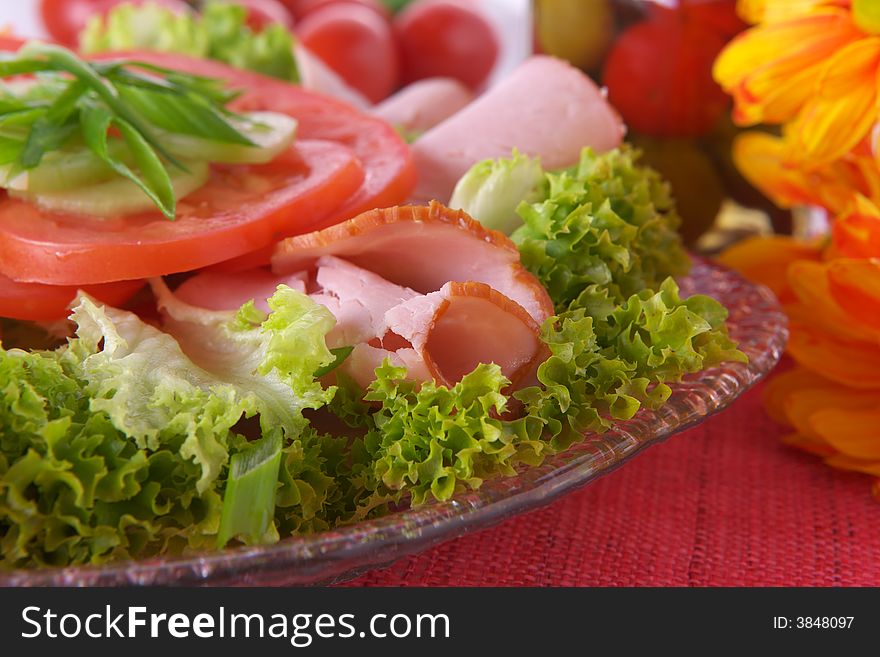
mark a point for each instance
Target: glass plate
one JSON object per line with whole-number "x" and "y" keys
{"x": 756, "y": 321}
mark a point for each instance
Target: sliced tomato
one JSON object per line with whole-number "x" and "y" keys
{"x": 46, "y": 303}
{"x": 342, "y": 163}
{"x": 240, "y": 209}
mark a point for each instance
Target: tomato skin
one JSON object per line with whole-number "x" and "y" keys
{"x": 358, "y": 162}
{"x": 445, "y": 38}
{"x": 357, "y": 44}
{"x": 46, "y": 303}
{"x": 301, "y": 8}
{"x": 659, "y": 77}
{"x": 65, "y": 19}
{"x": 262, "y": 13}
{"x": 717, "y": 15}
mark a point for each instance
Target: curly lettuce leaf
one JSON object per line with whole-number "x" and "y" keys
{"x": 118, "y": 445}
{"x": 492, "y": 190}
{"x": 607, "y": 221}
{"x": 220, "y": 32}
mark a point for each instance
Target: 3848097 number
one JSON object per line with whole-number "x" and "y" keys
{"x": 824, "y": 622}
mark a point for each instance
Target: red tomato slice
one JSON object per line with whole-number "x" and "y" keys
{"x": 366, "y": 166}
{"x": 240, "y": 209}
{"x": 389, "y": 172}
{"x": 38, "y": 302}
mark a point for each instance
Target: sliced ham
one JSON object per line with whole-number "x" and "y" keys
{"x": 357, "y": 298}
{"x": 545, "y": 108}
{"x": 427, "y": 288}
{"x": 421, "y": 248}
{"x": 216, "y": 291}
{"x": 465, "y": 324}
{"x": 422, "y": 105}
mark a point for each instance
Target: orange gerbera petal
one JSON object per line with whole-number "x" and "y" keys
{"x": 857, "y": 233}
{"x": 851, "y": 431}
{"x": 843, "y": 462}
{"x": 817, "y": 448}
{"x": 781, "y": 386}
{"x": 854, "y": 364}
{"x": 766, "y": 259}
{"x": 855, "y": 285}
{"x": 819, "y": 308}
{"x": 843, "y": 107}
{"x": 755, "y": 11}
{"x": 771, "y": 70}
{"x": 760, "y": 157}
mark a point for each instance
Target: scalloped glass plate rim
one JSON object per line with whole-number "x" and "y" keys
{"x": 756, "y": 321}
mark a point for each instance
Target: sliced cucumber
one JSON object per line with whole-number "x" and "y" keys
{"x": 115, "y": 197}
{"x": 63, "y": 170}
{"x": 271, "y": 133}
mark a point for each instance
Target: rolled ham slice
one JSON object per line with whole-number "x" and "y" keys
{"x": 422, "y": 105}
{"x": 545, "y": 108}
{"x": 421, "y": 248}
{"x": 465, "y": 324}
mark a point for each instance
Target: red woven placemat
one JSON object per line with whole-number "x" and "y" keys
{"x": 724, "y": 504}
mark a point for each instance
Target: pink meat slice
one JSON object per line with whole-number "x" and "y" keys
{"x": 421, "y": 248}
{"x": 545, "y": 108}
{"x": 422, "y": 105}
{"x": 357, "y": 298}
{"x": 220, "y": 291}
{"x": 465, "y": 324}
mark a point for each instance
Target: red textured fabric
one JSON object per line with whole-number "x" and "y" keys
{"x": 724, "y": 504}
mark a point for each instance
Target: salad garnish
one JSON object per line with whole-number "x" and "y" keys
{"x": 79, "y": 123}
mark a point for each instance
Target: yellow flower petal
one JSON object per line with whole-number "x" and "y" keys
{"x": 755, "y": 11}
{"x": 772, "y": 70}
{"x": 843, "y": 106}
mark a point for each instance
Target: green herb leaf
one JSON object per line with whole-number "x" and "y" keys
{"x": 154, "y": 180}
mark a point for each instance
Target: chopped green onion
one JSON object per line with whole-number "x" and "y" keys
{"x": 98, "y": 106}
{"x": 249, "y": 500}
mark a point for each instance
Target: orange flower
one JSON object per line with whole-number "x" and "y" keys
{"x": 810, "y": 64}
{"x": 760, "y": 157}
{"x": 758, "y": 11}
{"x": 831, "y": 399}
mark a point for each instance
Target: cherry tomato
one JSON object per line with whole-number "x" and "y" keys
{"x": 357, "y": 43}
{"x": 300, "y": 8}
{"x": 717, "y": 15}
{"x": 65, "y": 19}
{"x": 446, "y": 38}
{"x": 262, "y": 13}
{"x": 659, "y": 77}
{"x": 341, "y": 162}
{"x": 38, "y": 302}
